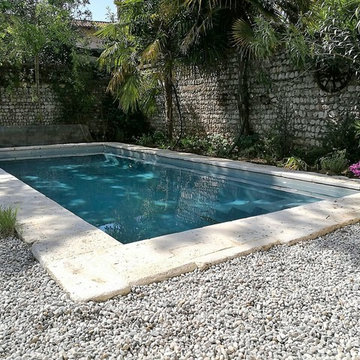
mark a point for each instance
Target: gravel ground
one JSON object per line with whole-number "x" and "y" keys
{"x": 297, "y": 302}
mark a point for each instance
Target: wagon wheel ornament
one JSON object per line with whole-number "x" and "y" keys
{"x": 333, "y": 77}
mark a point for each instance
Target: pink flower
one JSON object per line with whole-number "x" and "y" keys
{"x": 355, "y": 169}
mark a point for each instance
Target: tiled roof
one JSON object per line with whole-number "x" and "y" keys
{"x": 90, "y": 24}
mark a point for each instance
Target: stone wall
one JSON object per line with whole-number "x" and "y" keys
{"x": 286, "y": 90}
{"x": 209, "y": 100}
{"x": 19, "y": 108}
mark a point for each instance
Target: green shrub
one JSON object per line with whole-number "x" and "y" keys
{"x": 211, "y": 145}
{"x": 161, "y": 141}
{"x": 279, "y": 141}
{"x": 335, "y": 163}
{"x": 7, "y": 221}
{"x": 295, "y": 163}
{"x": 194, "y": 144}
{"x": 156, "y": 139}
{"x": 343, "y": 134}
{"x": 250, "y": 146}
{"x": 145, "y": 140}
{"x": 310, "y": 155}
{"x": 122, "y": 126}
{"x": 217, "y": 145}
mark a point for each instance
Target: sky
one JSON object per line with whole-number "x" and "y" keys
{"x": 98, "y": 9}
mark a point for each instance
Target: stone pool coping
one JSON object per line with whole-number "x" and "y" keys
{"x": 91, "y": 265}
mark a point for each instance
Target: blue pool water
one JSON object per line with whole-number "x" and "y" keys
{"x": 133, "y": 200}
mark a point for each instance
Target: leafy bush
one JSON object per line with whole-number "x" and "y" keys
{"x": 211, "y": 145}
{"x": 335, "y": 163}
{"x": 217, "y": 145}
{"x": 343, "y": 134}
{"x": 121, "y": 126}
{"x": 279, "y": 141}
{"x": 161, "y": 141}
{"x": 310, "y": 155}
{"x": 7, "y": 221}
{"x": 145, "y": 140}
{"x": 250, "y": 146}
{"x": 193, "y": 144}
{"x": 156, "y": 139}
{"x": 295, "y": 163}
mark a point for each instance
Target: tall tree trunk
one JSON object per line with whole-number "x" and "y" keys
{"x": 37, "y": 85}
{"x": 242, "y": 99}
{"x": 168, "y": 84}
{"x": 37, "y": 74}
{"x": 177, "y": 101}
{"x": 243, "y": 95}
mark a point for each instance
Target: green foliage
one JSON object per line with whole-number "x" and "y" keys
{"x": 330, "y": 35}
{"x": 357, "y": 129}
{"x": 333, "y": 31}
{"x": 321, "y": 33}
{"x": 37, "y": 41}
{"x": 122, "y": 126}
{"x": 156, "y": 139}
{"x": 218, "y": 145}
{"x": 334, "y": 163}
{"x": 35, "y": 29}
{"x": 80, "y": 88}
{"x": 259, "y": 39}
{"x": 7, "y": 221}
{"x": 194, "y": 144}
{"x": 310, "y": 155}
{"x": 250, "y": 146}
{"x": 279, "y": 141}
{"x": 295, "y": 163}
{"x": 342, "y": 134}
{"x": 146, "y": 140}
{"x": 142, "y": 50}
{"x": 210, "y": 145}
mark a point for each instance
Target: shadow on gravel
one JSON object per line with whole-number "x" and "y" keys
{"x": 15, "y": 257}
{"x": 349, "y": 245}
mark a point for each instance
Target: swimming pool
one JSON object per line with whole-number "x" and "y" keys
{"x": 132, "y": 199}
{"x": 91, "y": 265}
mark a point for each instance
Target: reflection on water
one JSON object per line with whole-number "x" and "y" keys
{"x": 132, "y": 200}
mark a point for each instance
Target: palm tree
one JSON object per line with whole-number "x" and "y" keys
{"x": 142, "y": 51}
{"x": 242, "y": 21}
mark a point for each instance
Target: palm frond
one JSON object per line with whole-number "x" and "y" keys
{"x": 199, "y": 29}
{"x": 152, "y": 52}
{"x": 107, "y": 31}
{"x": 243, "y": 34}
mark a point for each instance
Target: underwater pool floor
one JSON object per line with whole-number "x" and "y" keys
{"x": 91, "y": 265}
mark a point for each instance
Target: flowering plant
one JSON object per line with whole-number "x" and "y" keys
{"x": 355, "y": 169}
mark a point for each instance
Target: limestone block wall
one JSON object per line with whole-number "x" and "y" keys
{"x": 286, "y": 89}
{"x": 209, "y": 100}
{"x": 19, "y": 108}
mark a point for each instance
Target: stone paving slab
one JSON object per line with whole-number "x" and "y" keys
{"x": 86, "y": 276}
{"x": 91, "y": 265}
